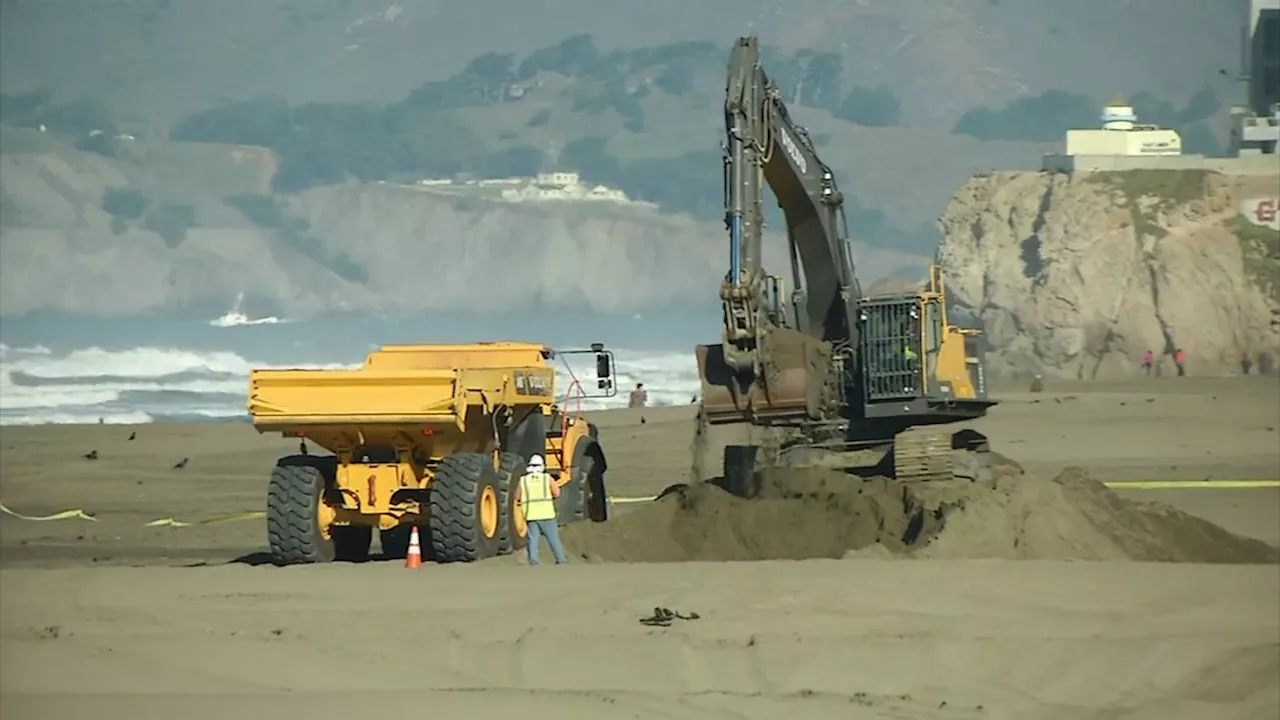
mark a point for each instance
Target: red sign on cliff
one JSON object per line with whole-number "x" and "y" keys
{"x": 1263, "y": 211}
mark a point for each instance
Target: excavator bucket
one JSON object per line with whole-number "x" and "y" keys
{"x": 789, "y": 388}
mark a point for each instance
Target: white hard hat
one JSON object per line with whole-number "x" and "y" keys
{"x": 535, "y": 462}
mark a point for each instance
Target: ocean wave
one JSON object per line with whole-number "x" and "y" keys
{"x": 159, "y": 384}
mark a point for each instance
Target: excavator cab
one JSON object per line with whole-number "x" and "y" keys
{"x": 911, "y": 352}
{"x": 889, "y": 332}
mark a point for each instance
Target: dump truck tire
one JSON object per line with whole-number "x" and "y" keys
{"x": 512, "y": 534}
{"x": 584, "y": 498}
{"x": 463, "y": 483}
{"x": 293, "y": 513}
{"x": 529, "y": 437}
{"x": 740, "y": 463}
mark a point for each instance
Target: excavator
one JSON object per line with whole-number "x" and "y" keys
{"x": 868, "y": 384}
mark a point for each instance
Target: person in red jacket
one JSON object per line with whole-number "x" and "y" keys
{"x": 1179, "y": 359}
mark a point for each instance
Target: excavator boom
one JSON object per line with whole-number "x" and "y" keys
{"x": 773, "y": 363}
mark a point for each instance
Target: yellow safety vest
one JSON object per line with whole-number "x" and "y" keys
{"x": 536, "y": 501}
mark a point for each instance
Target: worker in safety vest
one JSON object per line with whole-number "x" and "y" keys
{"x": 536, "y": 497}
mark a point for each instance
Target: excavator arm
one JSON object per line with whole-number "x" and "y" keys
{"x": 772, "y": 364}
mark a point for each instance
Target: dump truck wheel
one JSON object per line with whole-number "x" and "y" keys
{"x": 740, "y": 465}
{"x": 529, "y": 437}
{"x": 514, "y": 534}
{"x": 466, "y": 511}
{"x": 597, "y": 500}
{"x": 298, "y": 521}
{"x": 584, "y": 498}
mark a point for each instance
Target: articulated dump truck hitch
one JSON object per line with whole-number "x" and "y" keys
{"x": 433, "y": 436}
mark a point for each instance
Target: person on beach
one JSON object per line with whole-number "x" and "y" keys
{"x": 639, "y": 397}
{"x": 1147, "y": 361}
{"x": 536, "y": 497}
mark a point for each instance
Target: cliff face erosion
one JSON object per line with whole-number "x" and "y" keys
{"x": 1076, "y": 276}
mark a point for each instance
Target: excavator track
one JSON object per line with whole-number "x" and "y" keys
{"x": 932, "y": 455}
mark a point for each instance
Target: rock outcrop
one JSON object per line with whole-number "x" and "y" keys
{"x": 1076, "y": 276}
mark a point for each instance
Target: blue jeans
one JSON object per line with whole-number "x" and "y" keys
{"x": 551, "y": 529}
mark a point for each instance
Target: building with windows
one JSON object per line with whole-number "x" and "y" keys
{"x": 1257, "y": 121}
{"x": 1123, "y": 143}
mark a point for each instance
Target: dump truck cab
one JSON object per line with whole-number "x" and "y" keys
{"x": 435, "y": 436}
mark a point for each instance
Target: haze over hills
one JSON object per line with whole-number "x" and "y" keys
{"x": 245, "y": 127}
{"x": 174, "y": 57}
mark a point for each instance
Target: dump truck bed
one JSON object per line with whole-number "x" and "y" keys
{"x": 292, "y": 397}
{"x": 419, "y": 385}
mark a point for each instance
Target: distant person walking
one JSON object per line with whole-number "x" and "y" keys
{"x": 1180, "y": 360}
{"x": 639, "y": 398}
{"x": 1148, "y": 360}
{"x": 536, "y": 497}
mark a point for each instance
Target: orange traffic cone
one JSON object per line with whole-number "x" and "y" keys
{"x": 413, "y": 558}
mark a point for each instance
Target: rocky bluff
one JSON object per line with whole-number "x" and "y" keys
{"x": 1076, "y": 276}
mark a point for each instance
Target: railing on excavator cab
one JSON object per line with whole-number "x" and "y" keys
{"x": 937, "y": 290}
{"x": 889, "y": 339}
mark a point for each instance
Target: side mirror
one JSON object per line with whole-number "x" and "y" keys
{"x": 604, "y": 366}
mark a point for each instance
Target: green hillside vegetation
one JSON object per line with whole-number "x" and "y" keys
{"x": 1261, "y": 248}
{"x": 646, "y": 121}
{"x": 1045, "y": 117}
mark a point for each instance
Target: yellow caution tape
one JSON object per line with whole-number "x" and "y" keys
{"x": 79, "y": 514}
{"x": 1115, "y": 485}
{"x": 76, "y": 514}
{"x": 1197, "y": 484}
{"x": 233, "y": 517}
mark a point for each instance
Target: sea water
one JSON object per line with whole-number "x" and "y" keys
{"x": 83, "y": 370}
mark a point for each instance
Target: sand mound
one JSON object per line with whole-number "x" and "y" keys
{"x": 1074, "y": 517}
{"x": 816, "y": 513}
{"x": 808, "y": 513}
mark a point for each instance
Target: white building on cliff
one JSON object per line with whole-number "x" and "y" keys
{"x": 1122, "y": 134}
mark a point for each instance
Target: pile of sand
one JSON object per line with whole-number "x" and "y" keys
{"x": 807, "y": 513}
{"x": 1074, "y": 517}
{"x": 816, "y": 513}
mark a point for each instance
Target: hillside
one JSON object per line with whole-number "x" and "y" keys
{"x": 904, "y": 100}
{"x": 265, "y": 143}
{"x": 169, "y": 58}
{"x": 86, "y": 234}
{"x": 1078, "y": 276}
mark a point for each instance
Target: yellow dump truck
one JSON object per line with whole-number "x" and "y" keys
{"x": 428, "y": 435}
